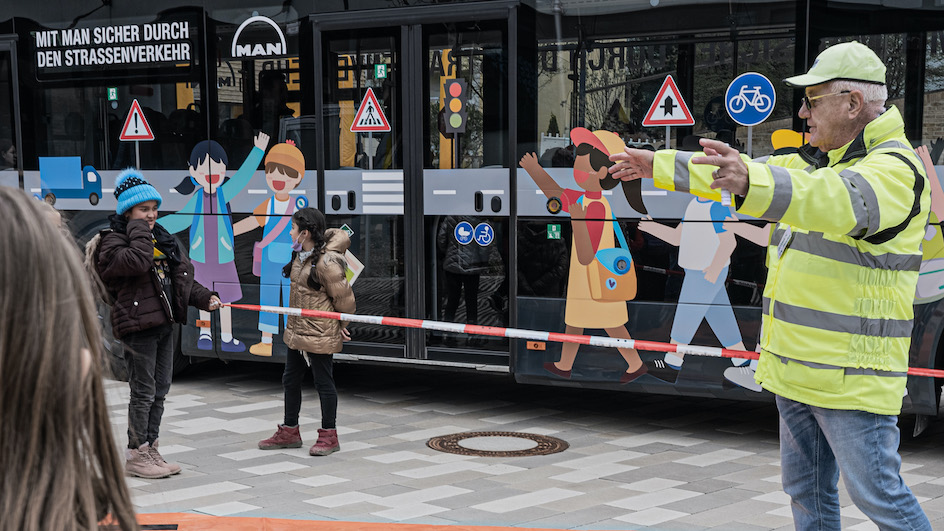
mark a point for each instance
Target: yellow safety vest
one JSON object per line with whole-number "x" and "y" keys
{"x": 842, "y": 263}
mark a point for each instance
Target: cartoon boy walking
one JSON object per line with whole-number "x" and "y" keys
{"x": 284, "y": 170}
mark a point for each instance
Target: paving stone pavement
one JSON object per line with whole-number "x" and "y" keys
{"x": 643, "y": 462}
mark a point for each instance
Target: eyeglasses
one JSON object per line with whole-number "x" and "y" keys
{"x": 808, "y": 101}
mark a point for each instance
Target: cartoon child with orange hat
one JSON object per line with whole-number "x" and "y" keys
{"x": 593, "y": 229}
{"x": 284, "y": 170}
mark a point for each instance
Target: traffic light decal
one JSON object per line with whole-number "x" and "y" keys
{"x": 457, "y": 101}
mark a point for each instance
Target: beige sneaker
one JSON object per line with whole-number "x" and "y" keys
{"x": 141, "y": 464}
{"x": 159, "y": 459}
{"x": 261, "y": 349}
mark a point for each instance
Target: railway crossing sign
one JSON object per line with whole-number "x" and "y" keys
{"x": 668, "y": 108}
{"x": 136, "y": 126}
{"x": 370, "y": 117}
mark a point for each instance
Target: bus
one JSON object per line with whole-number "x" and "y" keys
{"x": 419, "y": 130}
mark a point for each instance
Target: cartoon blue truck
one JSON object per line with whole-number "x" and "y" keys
{"x": 65, "y": 178}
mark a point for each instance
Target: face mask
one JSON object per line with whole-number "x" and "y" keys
{"x": 297, "y": 245}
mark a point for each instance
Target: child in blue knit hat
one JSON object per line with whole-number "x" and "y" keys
{"x": 151, "y": 283}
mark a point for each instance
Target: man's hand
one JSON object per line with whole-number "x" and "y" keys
{"x": 632, "y": 164}
{"x": 215, "y": 303}
{"x": 731, "y": 174}
{"x": 345, "y": 335}
{"x": 261, "y": 141}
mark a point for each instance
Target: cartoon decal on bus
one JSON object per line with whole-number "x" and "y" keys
{"x": 65, "y": 178}
{"x": 595, "y": 231}
{"x": 284, "y": 171}
{"x": 931, "y": 274}
{"x": 211, "y": 236}
{"x": 705, "y": 248}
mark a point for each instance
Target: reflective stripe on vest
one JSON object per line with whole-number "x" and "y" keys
{"x": 849, "y": 371}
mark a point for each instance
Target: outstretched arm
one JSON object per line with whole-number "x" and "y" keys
{"x": 670, "y": 235}
{"x": 529, "y": 162}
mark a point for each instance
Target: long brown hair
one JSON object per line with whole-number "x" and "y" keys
{"x": 61, "y": 466}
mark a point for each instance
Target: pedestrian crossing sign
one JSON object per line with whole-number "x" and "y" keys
{"x": 370, "y": 117}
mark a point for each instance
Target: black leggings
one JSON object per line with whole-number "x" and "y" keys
{"x": 295, "y": 369}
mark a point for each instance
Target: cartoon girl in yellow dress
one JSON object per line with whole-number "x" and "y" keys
{"x": 593, "y": 229}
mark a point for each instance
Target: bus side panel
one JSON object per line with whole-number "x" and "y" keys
{"x": 602, "y": 368}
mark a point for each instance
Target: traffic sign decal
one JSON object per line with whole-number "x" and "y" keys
{"x": 136, "y": 126}
{"x": 750, "y": 99}
{"x": 370, "y": 117}
{"x": 668, "y": 108}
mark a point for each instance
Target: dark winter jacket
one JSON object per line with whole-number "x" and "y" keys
{"x": 125, "y": 262}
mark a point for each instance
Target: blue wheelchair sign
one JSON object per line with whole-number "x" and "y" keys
{"x": 484, "y": 234}
{"x": 463, "y": 232}
{"x": 750, "y": 99}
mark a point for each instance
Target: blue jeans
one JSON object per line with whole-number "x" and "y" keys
{"x": 816, "y": 444}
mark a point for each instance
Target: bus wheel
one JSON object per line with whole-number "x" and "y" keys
{"x": 93, "y": 198}
{"x": 50, "y": 198}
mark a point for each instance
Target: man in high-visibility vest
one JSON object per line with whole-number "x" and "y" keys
{"x": 851, "y": 209}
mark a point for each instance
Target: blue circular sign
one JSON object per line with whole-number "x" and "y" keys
{"x": 301, "y": 202}
{"x": 463, "y": 232}
{"x": 750, "y": 99}
{"x": 484, "y": 234}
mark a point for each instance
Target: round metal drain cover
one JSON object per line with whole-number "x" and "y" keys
{"x": 497, "y": 444}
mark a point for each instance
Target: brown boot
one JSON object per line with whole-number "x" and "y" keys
{"x": 159, "y": 459}
{"x": 141, "y": 464}
{"x": 327, "y": 443}
{"x": 284, "y": 437}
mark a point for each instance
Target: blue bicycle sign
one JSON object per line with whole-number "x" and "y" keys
{"x": 750, "y": 99}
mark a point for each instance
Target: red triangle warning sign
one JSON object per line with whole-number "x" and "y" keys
{"x": 668, "y": 108}
{"x": 136, "y": 126}
{"x": 370, "y": 117}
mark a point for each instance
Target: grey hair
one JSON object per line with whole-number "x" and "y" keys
{"x": 61, "y": 467}
{"x": 873, "y": 92}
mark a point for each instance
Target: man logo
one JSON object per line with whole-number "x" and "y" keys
{"x": 263, "y": 48}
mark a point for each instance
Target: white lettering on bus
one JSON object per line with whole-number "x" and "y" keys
{"x": 76, "y": 37}
{"x": 117, "y": 34}
{"x": 48, "y": 58}
{"x": 166, "y": 31}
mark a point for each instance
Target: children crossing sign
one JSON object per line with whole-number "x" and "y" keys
{"x": 370, "y": 117}
{"x": 136, "y": 126}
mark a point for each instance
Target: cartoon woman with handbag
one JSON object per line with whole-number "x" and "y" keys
{"x": 594, "y": 229}
{"x": 284, "y": 170}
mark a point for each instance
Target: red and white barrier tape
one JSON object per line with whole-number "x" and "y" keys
{"x": 531, "y": 335}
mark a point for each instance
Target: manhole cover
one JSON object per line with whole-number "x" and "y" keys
{"x": 497, "y": 444}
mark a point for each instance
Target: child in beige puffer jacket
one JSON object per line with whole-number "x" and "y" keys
{"x": 317, "y": 271}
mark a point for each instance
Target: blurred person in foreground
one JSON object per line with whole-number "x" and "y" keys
{"x": 851, "y": 209}
{"x": 61, "y": 468}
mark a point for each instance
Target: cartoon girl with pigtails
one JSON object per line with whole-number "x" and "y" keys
{"x": 593, "y": 229}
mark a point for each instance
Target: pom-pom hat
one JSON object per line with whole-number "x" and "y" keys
{"x": 131, "y": 188}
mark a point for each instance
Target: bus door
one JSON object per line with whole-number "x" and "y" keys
{"x": 10, "y": 167}
{"x": 405, "y": 189}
